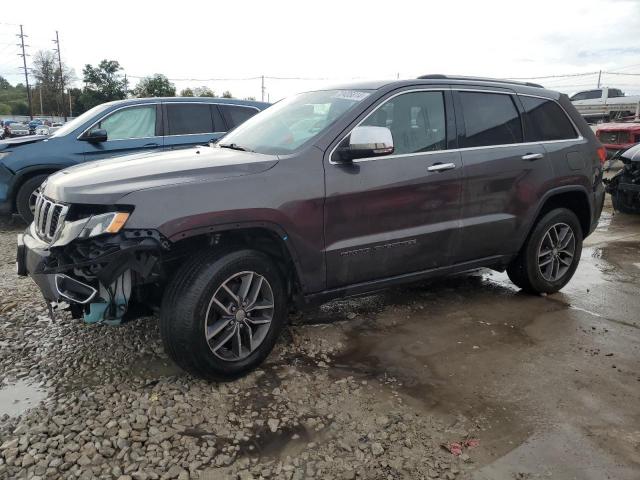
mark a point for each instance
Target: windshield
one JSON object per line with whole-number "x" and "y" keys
{"x": 287, "y": 125}
{"x": 78, "y": 121}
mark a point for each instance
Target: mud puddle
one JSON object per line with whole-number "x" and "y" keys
{"x": 18, "y": 397}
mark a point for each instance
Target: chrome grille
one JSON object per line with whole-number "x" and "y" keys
{"x": 48, "y": 218}
{"x": 614, "y": 138}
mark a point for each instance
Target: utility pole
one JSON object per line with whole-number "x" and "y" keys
{"x": 70, "y": 109}
{"x": 262, "y": 88}
{"x": 62, "y": 104}
{"x": 41, "y": 110}
{"x": 599, "y": 76}
{"x": 26, "y": 72}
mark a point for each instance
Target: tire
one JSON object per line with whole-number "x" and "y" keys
{"x": 24, "y": 195}
{"x": 620, "y": 205}
{"x": 541, "y": 266}
{"x": 188, "y": 310}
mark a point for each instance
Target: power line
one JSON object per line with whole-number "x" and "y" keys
{"x": 623, "y": 73}
{"x": 567, "y": 75}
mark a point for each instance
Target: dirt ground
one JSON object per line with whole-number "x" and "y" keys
{"x": 528, "y": 386}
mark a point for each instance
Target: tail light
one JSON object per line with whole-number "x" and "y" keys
{"x": 602, "y": 154}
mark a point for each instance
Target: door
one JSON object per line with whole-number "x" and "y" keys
{"x": 396, "y": 214}
{"x": 190, "y": 124}
{"x": 503, "y": 175}
{"x": 131, "y": 129}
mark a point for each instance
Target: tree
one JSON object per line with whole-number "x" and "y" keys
{"x": 203, "y": 92}
{"x": 48, "y": 78}
{"x": 187, "y": 92}
{"x": 157, "y": 85}
{"x": 19, "y": 107}
{"x": 227, "y": 94}
{"x": 13, "y": 98}
{"x": 103, "y": 83}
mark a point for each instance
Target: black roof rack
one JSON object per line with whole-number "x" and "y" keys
{"x": 439, "y": 76}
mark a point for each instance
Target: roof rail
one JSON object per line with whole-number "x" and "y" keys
{"x": 439, "y": 76}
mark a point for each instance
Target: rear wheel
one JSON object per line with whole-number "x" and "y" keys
{"x": 26, "y": 197}
{"x": 222, "y": 313}
{"x": 550, "y": 255}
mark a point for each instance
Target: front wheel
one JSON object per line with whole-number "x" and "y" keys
{"x": 550, "y": 255}
{"x": 222, "y": 313}
{"x": 26, "y": 197}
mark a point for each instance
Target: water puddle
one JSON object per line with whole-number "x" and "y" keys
{"x": 17, "y": 398}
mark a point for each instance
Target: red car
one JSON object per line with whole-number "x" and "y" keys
{"x": 618, "y": 136}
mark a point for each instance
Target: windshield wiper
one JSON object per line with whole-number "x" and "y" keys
{"x": 234, "y": 146}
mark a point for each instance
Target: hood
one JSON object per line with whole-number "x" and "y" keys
{"x": 632, "y": 154}
{"x": 18, "y": 141}
{"x": 617, "y": 127}
{"x": 106, "y": 181}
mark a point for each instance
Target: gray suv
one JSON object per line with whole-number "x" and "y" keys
{"x": 326, "y": 194}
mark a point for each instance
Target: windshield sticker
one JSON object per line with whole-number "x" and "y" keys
{"x": 354, "y": 95}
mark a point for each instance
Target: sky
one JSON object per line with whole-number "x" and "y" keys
{"x": 198, "y": 43}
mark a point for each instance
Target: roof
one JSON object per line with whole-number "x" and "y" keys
{"x": 231, "y": 101}
{"x": 437, "y": 79}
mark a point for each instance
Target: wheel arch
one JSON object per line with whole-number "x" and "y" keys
{"x": 265, "y": 237}
{"x": 573, "y": 198}
{"x": 25, "y": 174}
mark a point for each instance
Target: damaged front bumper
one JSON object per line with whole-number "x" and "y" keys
{"x": 96, "y": 275}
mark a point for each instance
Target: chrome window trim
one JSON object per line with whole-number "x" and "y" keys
{"x": 462, "y": 149}
{"x": 191, "y": 134}
{"x": 212, "y": 103}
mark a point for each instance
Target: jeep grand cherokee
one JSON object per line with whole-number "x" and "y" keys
{"x": 326, "y": 194}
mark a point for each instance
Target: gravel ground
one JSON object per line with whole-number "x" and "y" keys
{"x": 108, "y": 403}
{"x": 529, "y": 387}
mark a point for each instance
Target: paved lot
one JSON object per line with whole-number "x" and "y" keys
{"x": 547, "y": 387}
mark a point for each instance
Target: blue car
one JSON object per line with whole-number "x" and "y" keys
{"x": 109, "y": 130}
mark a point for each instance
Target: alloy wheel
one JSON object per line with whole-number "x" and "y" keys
{"x": 239, "y": 316}
{"x": 556, "y": 251}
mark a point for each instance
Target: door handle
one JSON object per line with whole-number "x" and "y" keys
{"x": 151, "y": 145}
{"x": 532, "y": 156}
{"x": 441, "y": 167}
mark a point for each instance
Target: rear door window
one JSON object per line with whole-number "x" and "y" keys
{"x": 489, "y": 119}
{"x": 545, "y": 120}
{"x": 235, "y": 115}
{"x": 189, "y": 118}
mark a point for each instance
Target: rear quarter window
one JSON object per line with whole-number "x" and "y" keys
{"x": 545, "y": 120}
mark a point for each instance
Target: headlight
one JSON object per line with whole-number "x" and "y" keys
{"x": 104, "y": 223}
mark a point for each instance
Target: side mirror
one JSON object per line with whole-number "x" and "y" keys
{"x": 364, "y": 142}
{"x": 96, "y": 136}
